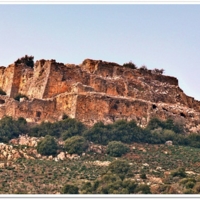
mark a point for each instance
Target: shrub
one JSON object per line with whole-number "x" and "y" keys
{"x": 120, "y": 167}
{"x": 143, "y": 68}
{"x": 154, "y": 123}
{"x": 130, "y": 65}
{"x": 169, "y": 124}
{"x": 143, "y": 176}
{"x": 194, "y": 140}
{"x": 99, "y": 133}
{"x": 27, "y": 60}
{"x": 197, "y": 188}
{"x": 121, "y": 130}
{"x": 188, "y": 191}
{"x": 47, "y": 146}
{"x": 74, "y": 128}
{"x": 64, "y": 128}
{"x": 189, "y": 184}
{"x": 179, "y": 172}
{"x": 143, "y": 189}
{"x": 168, "y": 134}
{"x": 64, "y": 117}
{"x": 70, "y": 189}
{"x": 112, "y": 184}
{"x": 157, "y": 71}
{"x": 129, "y": 185}
{"x": 2, "y": 92}
{"x": 116, "y": 149}
{"x": 10, "y": 128}
{"x": 185, "y": 180}
{"x": 75, "y": 144}
{"x": 87, "y": 188}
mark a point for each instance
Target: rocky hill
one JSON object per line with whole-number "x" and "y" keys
{"x": 94, "y": 91}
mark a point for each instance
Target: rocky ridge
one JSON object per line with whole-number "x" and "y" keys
{"x": 94, "y": 91}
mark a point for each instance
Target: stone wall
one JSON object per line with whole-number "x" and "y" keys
{"x": 94, "y": 91}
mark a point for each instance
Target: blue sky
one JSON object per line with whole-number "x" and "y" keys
{"x": 158, "y": 36}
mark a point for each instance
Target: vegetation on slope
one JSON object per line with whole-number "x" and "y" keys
{"x": 144, "y": 159}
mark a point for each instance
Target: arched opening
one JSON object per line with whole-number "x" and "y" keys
{"x": 182, "y": 115}
{"x": 154, "y": 106}
{"x": 38, "y": 114}
{"x": 2, "y": 101}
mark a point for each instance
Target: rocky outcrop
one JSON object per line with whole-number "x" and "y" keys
{"x": 94, "y": 91}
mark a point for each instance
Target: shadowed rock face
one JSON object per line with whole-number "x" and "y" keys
{"x": 94, "y": 91}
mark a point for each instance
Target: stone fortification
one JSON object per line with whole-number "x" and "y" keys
{"x": 94, "y": 91}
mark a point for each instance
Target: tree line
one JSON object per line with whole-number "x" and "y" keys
{"x": 75, "y": 132}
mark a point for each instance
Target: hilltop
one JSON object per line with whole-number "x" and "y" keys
{"x": 96, "y": 128}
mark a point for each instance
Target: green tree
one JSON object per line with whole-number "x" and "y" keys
{"x": 154, "y": 123}
{"x": 76, "y": 144}
{"x": 47, "y": 146}
{"x": 65, "y": 128}
{"x": 11, "y": 128}
{"x": 116, "y": 148}
{"x": 70, "y": 189}
{"x": 74, "y": 128}
{"x": 99, "y": 133}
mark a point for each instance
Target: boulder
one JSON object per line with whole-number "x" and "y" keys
{"x": 169, "y": 143}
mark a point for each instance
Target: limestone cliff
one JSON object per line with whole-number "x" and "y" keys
{"x": 94, "y": 91}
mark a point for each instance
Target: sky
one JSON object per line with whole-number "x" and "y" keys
{"x": 158, "y": 36}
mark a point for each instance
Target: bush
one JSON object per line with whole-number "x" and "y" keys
{"x": 158, "y": 71}
{"x": 121, "y": 130}
{"x": 143, "y": 189}
{"x": 99, "y": 133}
{"x": 27, "y": 60}
{"x": 112, "y": 184}
{"x": 120, "y": 167}
{"x": 2, "y": 92}
{"x": 143, "y": 176}
{"x": 143, "y": 68}
{"x": 87, "y": 188}
{"x": 70, "y": 189}
{"x": 129, "y": 185}
{"x": 185, "y": 180}
{"x": 108, "y": 184}
{"x": 76, "y": 144}
{"x": 64, "y": 128}
{"x": 189, "y": 185}
{"x": 194, "y": 140}
{"x": 116, "y": 149}
{"x": 197, "y": 188}
{"x": 47, "y": 146}
{"x": 74, "y": 128}
{"x": 130, "y": 65}
{"x": 10, "y": 128}
{"x": 179, "y": 172}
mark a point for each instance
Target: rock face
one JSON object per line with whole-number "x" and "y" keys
{"x": 94, "y": 91}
